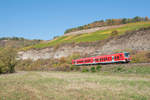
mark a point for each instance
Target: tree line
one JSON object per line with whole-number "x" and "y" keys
{"x": 108, "y": 22}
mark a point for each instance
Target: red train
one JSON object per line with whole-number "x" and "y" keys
{"x": 114, "y": 58}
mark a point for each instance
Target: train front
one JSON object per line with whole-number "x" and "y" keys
{"x": 127, "y": 57}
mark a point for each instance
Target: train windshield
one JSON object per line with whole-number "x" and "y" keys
{"x": 126, "y": 54}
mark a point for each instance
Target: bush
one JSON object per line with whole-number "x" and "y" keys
{"x": 98, "y": 68}
{"x": 140, "y": 57}
{"x": 85, "y": 70}
{"x": 114, "y": 33}
{"x": 24, "y": 64}
{"x": 119, "y": 69}
{"x": 74, "y": 68}
{"x": 7, "y": 60}
{"x": 77, "y": 68}
{"x": 93, "y": 69}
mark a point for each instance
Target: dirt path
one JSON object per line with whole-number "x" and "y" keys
{"x": 93, "y": 30}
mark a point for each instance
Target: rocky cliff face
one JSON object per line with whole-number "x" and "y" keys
{"x": 135, "y": 40}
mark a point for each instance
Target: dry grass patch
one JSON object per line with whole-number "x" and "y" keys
{"x": 74, "y": 86}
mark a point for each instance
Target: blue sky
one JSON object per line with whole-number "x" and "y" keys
{"x": 44, "y": 19}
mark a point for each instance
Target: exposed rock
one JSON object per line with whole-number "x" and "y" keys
{"x": 135, "y": 40}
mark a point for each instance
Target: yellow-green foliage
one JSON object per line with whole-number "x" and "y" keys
{"x": 91, "y": 37}
{"x": 141, "y": 56}
{"x": 62, "y": 64}
{"x": 7, "y": 60}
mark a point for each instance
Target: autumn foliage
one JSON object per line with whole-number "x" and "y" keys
{"x": 108, "y": 22}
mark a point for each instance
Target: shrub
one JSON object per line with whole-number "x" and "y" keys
{"x": 7, "y": 60}
{"x": 72, "y": 68}
{"x": 98, "y": 68}
{"x": 141, "y": 56}
{"x": 77, "y": 68}
{"x": 85, "y": 70}
{"x": 65, "y": 67}
{"x": 93, "y": 69}
{"x": 119, "y": 69}
{"x": 114, "y": 33}
{"x": 56, "y": 47}
{"x": 62, "y": 60}
{"x": 24, "y": 64}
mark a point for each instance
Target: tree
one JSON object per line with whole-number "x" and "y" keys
{"x": 146, "y": 18}
{"x": 137, "y": 19}
{"x": 124, "y": 20}
{"x": 8, "y": 60}
{"x": 109, "y": 21}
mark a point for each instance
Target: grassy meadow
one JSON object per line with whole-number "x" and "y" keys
{"x": 38, "y": 85}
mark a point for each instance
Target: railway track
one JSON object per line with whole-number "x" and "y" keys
{"x": 127, "y": 64}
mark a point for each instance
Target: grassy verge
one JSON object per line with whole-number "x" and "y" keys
{"x": 91, "y": 37}
{"x": 74, "y": 86}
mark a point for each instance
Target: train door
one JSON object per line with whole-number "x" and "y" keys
{"x": 112, "y": 58}
{"x": 93, "y": 60}
{"x": 75, "y": 62}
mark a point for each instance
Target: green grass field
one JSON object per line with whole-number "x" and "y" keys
{"x": 76, "y": 85}
{"x": 91, "y": 37}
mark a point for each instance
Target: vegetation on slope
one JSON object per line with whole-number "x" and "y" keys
{"x": 16, "y": 42}
{"x": 91, "y": 37}
{"x": 108, "y": 22}
{"x": 8, "y": 60}
{"x": 65, "y": 63}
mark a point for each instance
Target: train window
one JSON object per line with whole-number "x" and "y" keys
{"x": 126, "y": 54}
{"x": 96, "y": 59}
{"x": 117, "y": 57}
{"x": 106, "y": 58}
{"x": 87, "y": 60}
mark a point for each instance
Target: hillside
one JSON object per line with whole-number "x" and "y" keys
{"x": 16, "y": 42}
{"x": 133, "y": 37}
{"x": 105, "y": 23}
{"x": 90, "y": 37}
